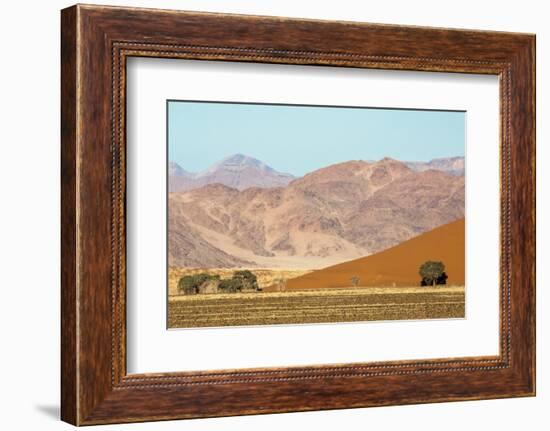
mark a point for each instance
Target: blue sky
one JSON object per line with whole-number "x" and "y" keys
{"x": 299, "y": 139}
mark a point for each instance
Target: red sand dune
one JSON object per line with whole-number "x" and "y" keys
{"x": 396, "y": 265}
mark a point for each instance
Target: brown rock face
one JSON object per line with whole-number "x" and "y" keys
{"x": 331, "y": 215}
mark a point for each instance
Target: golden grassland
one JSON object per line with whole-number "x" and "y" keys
{"x": 315, "y": 306}
{"x": 266, "y": 277}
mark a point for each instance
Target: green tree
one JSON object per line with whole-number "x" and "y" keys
{"x": 246, "y": 279}
{"x": 186, "y": 285}
{"x": 431, "y": 271}
{"x": 355, "y": 280}
{"x": 190, "y": 284}
{"x": 230, "y": 285}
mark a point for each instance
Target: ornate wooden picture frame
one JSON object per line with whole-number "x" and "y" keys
{"x": 96, "y": 41}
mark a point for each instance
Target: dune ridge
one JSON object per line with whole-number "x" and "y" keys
{"x": 398, "y": 265}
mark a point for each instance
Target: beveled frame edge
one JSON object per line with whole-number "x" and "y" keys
{"x": 95, "y": 43}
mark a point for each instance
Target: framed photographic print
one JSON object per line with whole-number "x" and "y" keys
{"x": 332, "y": 235}
{"x": 265, "y": 214}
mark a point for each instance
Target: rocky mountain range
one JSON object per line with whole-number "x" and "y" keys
{"x": 241, "y": 172}
{"x": 331, "y": 215}
{"x": 237, "y": 171}
{"x": 451, "y": 165}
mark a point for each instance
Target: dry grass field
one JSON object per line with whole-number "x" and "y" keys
{"x": 315, "y": 306}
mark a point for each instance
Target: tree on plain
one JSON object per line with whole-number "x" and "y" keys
{"x": 431, "y": 272}
{"x": 191, "y": 284}
{"x": 247, "y": 279}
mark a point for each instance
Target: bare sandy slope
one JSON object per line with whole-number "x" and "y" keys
{"x": 396, "y": 266}
{"x": 226, "y": 245}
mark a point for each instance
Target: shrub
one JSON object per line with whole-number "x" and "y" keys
{"x": 355, "y": 280}
{"x": 280, "y": 284}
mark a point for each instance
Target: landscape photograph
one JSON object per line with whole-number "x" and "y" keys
{"x": 302, "y": 214}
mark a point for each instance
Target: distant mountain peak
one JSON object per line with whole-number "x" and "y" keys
{"x": 448, "y": 158}
{"x": 391, "y": 163}
{"x": 237, "y": 162}
{"x": 237, "y": 171}
{"x": 239, "y": 158}
{"x": 454, "y": 165}
{"x": 176, "y": 170}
